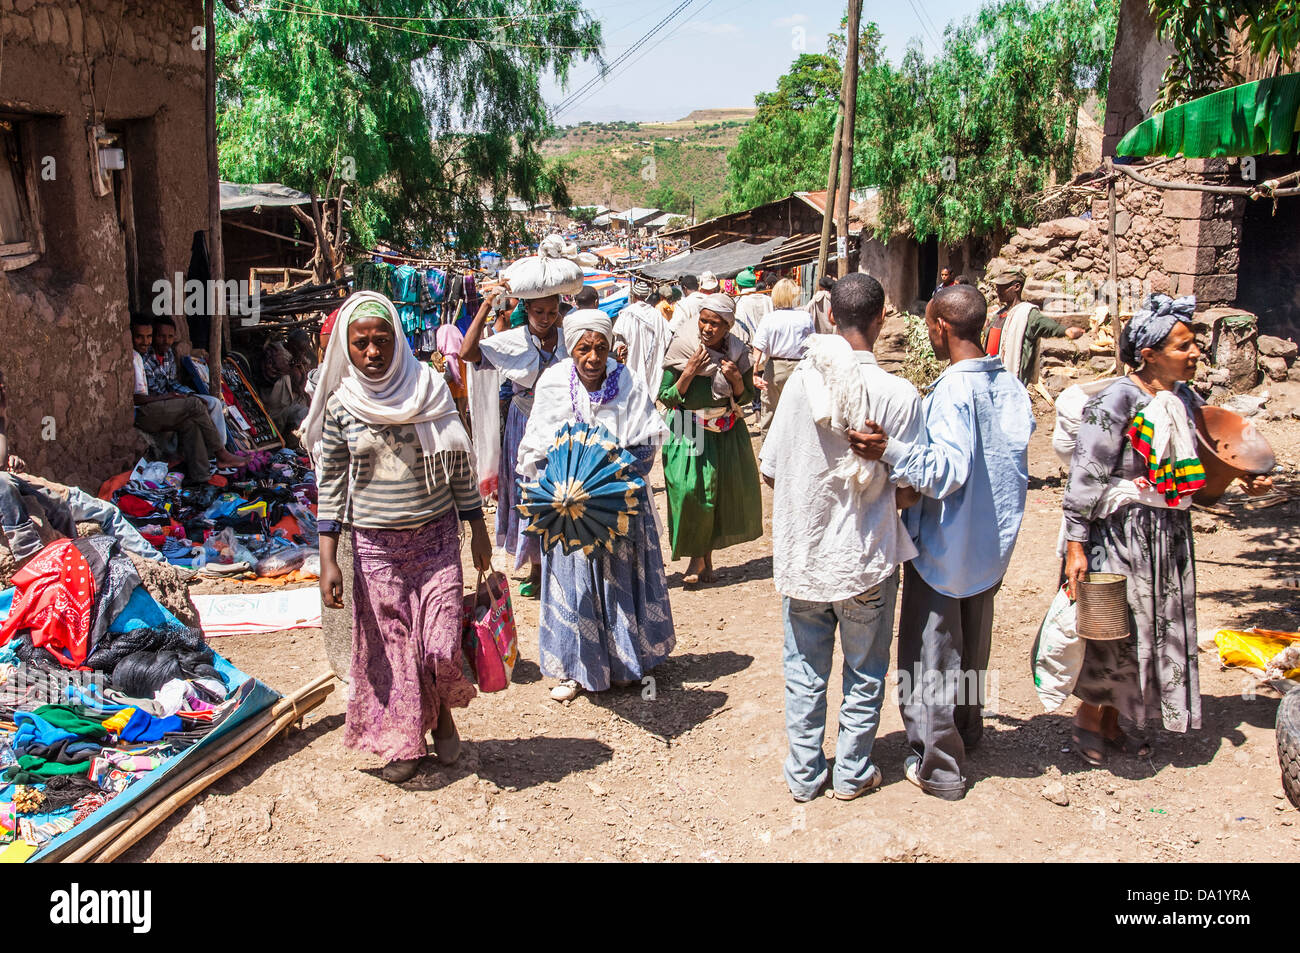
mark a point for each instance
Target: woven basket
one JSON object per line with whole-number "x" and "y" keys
{"x": 1102, "y": 612}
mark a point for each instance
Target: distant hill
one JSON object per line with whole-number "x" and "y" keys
{"x": 611, "y": 163}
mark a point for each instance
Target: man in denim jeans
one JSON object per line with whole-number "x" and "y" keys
{"x": 837, "y": 540}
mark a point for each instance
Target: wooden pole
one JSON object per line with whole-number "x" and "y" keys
{"x": 846, "y": 133}
{"x": 832, "y": 178}
{"x": 1114, "y": 267}
{"x": 217, "y": 254}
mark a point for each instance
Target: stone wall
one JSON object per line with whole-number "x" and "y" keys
{"x": 64, "y": 319}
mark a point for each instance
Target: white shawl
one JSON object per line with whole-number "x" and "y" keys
{"x": 1012, "y": 343}
{"x": 408, "y": 393}
{"x": 630, "y": 416}
{"x": 517, "y": 354}
{"x": 837, "y": 397}
{"x": 645, "y": 333}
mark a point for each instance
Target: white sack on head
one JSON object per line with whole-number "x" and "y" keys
{"x": 548, "y": 272}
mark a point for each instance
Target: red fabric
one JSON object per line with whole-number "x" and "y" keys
{"x": 218, "y": 480}
{"x": 113, "y": 484}
{"x": 289, "y": 525}
{"x": 327, "y": 326}
{"x": 134, "y": 506}
{"x": 54, "y": 597}
{"x": 995, "y": 339}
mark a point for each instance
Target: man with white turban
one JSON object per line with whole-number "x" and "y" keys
{"x": 641, "y": 337}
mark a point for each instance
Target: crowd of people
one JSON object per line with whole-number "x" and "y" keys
{"x": 879, "y": 496}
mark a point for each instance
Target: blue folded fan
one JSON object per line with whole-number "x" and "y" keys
{"x": 588, "y": 493}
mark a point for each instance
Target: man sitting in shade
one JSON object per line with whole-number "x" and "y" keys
{"x": 1016, "y": 329}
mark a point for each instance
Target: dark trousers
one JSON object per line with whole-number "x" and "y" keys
{"x": 943, "y": 657}
{"x": 189, "y": 419}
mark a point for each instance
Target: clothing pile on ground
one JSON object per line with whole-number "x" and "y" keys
{"x": 99, "y": 686}
{"x": 260, "y": 521}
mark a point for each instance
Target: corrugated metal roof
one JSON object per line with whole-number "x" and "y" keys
{"x": 237, "y": 195}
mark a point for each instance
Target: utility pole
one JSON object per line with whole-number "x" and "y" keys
{"x": 850, "y": 107}
{"x": 832, "y": 177}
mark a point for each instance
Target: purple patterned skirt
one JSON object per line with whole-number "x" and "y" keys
{"x": 406, "y": 654}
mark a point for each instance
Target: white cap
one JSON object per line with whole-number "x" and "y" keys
{"x": 708, "y": 281}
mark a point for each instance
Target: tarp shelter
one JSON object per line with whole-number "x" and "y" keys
{"x": 236, "y": 195}
{"x": 613, "y": 254}
{"x": 725, "y": 261}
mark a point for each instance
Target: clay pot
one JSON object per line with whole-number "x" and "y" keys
{"x": 1230, "y": 446}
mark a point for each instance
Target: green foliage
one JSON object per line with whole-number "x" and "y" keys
{"x": 786, "y": 147}
{"x": 1201, "y": 35}
{"x": 583, "y": 214}
{"x": 920, "y": 366}
{"x": 669, "y": 199}
{"x": 957, "y": 145}
{"x": 429, "y": 123}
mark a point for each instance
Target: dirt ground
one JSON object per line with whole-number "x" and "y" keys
{"x": 694, "y": 772}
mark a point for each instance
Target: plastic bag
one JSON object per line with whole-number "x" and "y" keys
{"x": 485, "y": 425}
{"x": 224, "y": 553}
{"x": 546, "y": 273}
{"x": 146, "y": 471}
{"x": 1058, "y": 653}
{"x": 1069, "y": 410}
{"x": 283, "y": 561}
{"x": 1254, "y": 649}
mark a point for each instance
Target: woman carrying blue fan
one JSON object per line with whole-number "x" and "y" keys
{"x": 605, "y": 618}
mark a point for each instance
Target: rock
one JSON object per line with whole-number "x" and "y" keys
{"x": 1062, "y": 349}
{"x": 1247, "y": 405}
{"x": 1123, "y": 221}
{"x": 1054, "y": 791}
{"x": 1274, "y": 368}
{"x": 1284, "y": 348}
{"x": 1064, "y": 228}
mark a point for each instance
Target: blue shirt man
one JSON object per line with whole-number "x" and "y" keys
{"x": 972, "y": 473}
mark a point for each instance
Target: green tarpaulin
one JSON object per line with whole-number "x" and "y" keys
{"x": 1251, "y": 119}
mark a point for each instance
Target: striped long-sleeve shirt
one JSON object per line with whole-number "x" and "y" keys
{"x": 385, "y": 468}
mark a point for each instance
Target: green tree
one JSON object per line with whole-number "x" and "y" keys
{"x": 427, "y": 123}
{"x": 669, "y": 199}
{"x": 1202, "y": 35}
{"x": 786, "y": 146}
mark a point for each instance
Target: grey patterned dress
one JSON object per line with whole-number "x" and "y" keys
{"x": 1151, "y": 676}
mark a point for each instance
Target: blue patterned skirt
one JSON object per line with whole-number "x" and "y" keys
{"x": 510, "y": 528}
{"x": 605, "y": 617}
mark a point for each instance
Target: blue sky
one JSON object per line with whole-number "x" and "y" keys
{"x": 719, "y": 53}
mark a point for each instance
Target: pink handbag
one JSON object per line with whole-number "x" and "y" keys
{"x": 488, "y": 635}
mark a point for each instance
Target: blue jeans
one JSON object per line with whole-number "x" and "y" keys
{"x": 866, "y": 625}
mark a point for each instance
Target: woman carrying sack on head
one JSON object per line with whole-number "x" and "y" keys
{"x": 605, "y": 618}
{"x": 1132, "y": 476}
{"x": 709, "y": 468}
{"x": 394, "y": 462}
{"x": 521, "y": 354}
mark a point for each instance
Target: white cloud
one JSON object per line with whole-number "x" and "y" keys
{"x": 793, "y": 20}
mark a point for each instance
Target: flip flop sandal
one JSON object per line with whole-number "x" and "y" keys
{"x": 1090, "y": 745}
{"x": 1138, "y": 747}
{"x": 529, "y": 589}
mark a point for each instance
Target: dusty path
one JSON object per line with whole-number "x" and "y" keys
{"x": 694, "y": 772}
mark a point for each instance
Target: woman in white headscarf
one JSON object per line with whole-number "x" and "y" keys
{"x": 394, "y": 462}
{"x": 605, "y": 618}
{"x": 709, "y": 468}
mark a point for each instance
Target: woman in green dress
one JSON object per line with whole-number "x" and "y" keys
{"x": 709, "y": 468}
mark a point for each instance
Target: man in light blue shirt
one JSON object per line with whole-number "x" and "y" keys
{"x": 972, "y": 475}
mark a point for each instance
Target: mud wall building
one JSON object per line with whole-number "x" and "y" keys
{"x": 102, "y": 188}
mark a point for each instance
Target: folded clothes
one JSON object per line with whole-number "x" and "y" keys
{"x": 71, "y": 720}
{"x": 33, "y": 729}
{"x": 145, "y": 727}
{"x": 31, "y": 769}
{"x": 134, "y": 506}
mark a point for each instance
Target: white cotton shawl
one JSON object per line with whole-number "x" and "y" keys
{"x": 631, "y": 416}
{"x": 408, "y": 393}
{"x": 1012, "y": 343}
{"x": 645, "y": 332}
{"x": 517, "y": 354}
{"x": 838, "y": 400}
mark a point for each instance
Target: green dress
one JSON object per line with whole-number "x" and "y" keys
{"x": 712, "y": 478}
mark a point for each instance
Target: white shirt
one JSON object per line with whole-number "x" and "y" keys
{"x": 782, "y": 333}
{"x": 141, "y": 382}
{"x": 825, "y": 546}
{"x": 750, "y": 310}
{"x": 688, "y": 309}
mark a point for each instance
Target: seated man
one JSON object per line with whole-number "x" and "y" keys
{"x": 289, "y": 400}
{"x": 163, "y": 373}
{"x": 184, "y": 414}
{"x": 63, "y": 507}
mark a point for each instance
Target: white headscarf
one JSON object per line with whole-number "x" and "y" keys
{"x": 408, "y": 393}
{"x": 578, "y": 323}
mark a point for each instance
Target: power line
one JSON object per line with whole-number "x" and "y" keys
{"x": 622, "y": 58}
{"x": 924, "y": 26}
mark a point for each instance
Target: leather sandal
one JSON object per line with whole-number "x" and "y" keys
{"x": 1138, "y": 747}
{"x": 1090, "y": 745}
